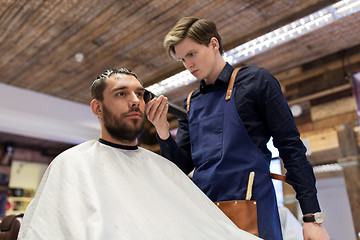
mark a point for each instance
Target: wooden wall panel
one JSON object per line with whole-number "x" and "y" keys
{"x": 351, "y": 167}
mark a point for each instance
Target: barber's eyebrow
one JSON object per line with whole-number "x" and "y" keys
{"x": 186, "y": 55}
{"x": 190, "y": 52}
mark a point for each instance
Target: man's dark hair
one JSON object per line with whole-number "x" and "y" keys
{"x": 99, "y": 84}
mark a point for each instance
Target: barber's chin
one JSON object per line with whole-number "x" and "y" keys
{"x": 194, "y": 73}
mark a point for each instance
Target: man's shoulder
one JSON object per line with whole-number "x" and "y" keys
{"x": 158, "y": 158}
{"x": 150, "y": 153}
{"x": 79, "y": 148}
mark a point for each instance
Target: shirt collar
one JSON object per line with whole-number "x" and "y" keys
{"x": 115, "y": 145}
{"x": 222, "y": 79}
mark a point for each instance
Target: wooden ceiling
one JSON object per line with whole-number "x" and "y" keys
{"x": 39, "y": 39}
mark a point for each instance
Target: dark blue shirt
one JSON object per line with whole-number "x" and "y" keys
{"x": 264, "y": 111}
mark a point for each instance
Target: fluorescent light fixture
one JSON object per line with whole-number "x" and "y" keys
{"x": 281, "y": 35}
{"x": 327, "y": 168}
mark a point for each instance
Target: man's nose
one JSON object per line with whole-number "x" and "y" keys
{"x": 135, "y": 100}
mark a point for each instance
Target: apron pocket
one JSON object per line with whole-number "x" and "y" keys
{"x": 206, "y": 137}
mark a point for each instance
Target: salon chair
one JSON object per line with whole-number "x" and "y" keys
{"x": 10, "y": 226}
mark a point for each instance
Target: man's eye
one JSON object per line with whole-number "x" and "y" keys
{"x": 181, "y": 60}
{"x": 140, "y": 94}
{"x": 192, "y": 54}
{"x": 120, "y": 94}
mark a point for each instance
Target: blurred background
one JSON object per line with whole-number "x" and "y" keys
{"x": 52, "y": 50}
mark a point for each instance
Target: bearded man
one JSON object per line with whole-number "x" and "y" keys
{"x": 112, "y": 189}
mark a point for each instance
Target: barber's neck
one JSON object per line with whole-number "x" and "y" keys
{"x": 219, "y": 66}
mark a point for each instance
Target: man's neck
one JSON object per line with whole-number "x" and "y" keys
{"x": 107, "y": 137}
{"x": 115, "y": 145}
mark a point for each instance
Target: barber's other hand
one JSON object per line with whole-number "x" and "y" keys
{"x": 314, "y": 231}
{"x": 156, "y": 111}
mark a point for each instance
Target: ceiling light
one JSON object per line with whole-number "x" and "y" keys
{"x": 327, "y": 168}
{"x": 296, "y": 110}
{"x": 281, "y": 35}
{"x": 79, "y": 57}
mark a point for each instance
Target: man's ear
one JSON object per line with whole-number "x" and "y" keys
{"x": 96, "y": 107}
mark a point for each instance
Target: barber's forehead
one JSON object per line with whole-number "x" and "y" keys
{"x": 186, "y": 46}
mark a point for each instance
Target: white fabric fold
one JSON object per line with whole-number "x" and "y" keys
{"x": 94, "y": 191}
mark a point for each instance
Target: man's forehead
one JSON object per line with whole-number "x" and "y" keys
{"x": 121, "y": 76}
{"x": 123, "y": 79}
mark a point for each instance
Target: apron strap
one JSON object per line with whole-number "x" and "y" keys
{"x": 231, "y": 84}
{"x": 278, "y": 177}
{"x": 228, "y": 92}
{"x": 188, "y": 100}
{"x": 251, "y": 181}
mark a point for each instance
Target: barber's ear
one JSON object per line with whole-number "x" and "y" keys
{"x": 214, "y": 43}
{"x": 96, "y": 107}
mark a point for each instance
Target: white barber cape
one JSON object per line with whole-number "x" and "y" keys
{"x": 102, "y": 192}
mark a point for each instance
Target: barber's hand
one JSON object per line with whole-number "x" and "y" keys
{"x": 314, "y": 231}
{"x": 156, "y": 111}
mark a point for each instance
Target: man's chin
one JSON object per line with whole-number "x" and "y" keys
{"x": 135, "y": 124}
{"x": 127, "y": 135}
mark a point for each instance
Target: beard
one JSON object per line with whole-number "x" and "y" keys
{"x": 120, "y": 129}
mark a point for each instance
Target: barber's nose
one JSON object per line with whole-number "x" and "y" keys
{"x": 188, "y": 64}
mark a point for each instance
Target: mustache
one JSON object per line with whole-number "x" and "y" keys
{"x": 134, "y": 109}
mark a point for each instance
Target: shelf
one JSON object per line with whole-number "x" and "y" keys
{"x": 18, "y": 204}
{"x": 22, "y": 199}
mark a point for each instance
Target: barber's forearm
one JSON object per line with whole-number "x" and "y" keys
{"x": 170, "y": 150}
{"x": 163, "y": 134}
{"x": 302, "y": 179}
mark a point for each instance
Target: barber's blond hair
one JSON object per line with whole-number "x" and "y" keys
{"x": 198, "y": 30}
